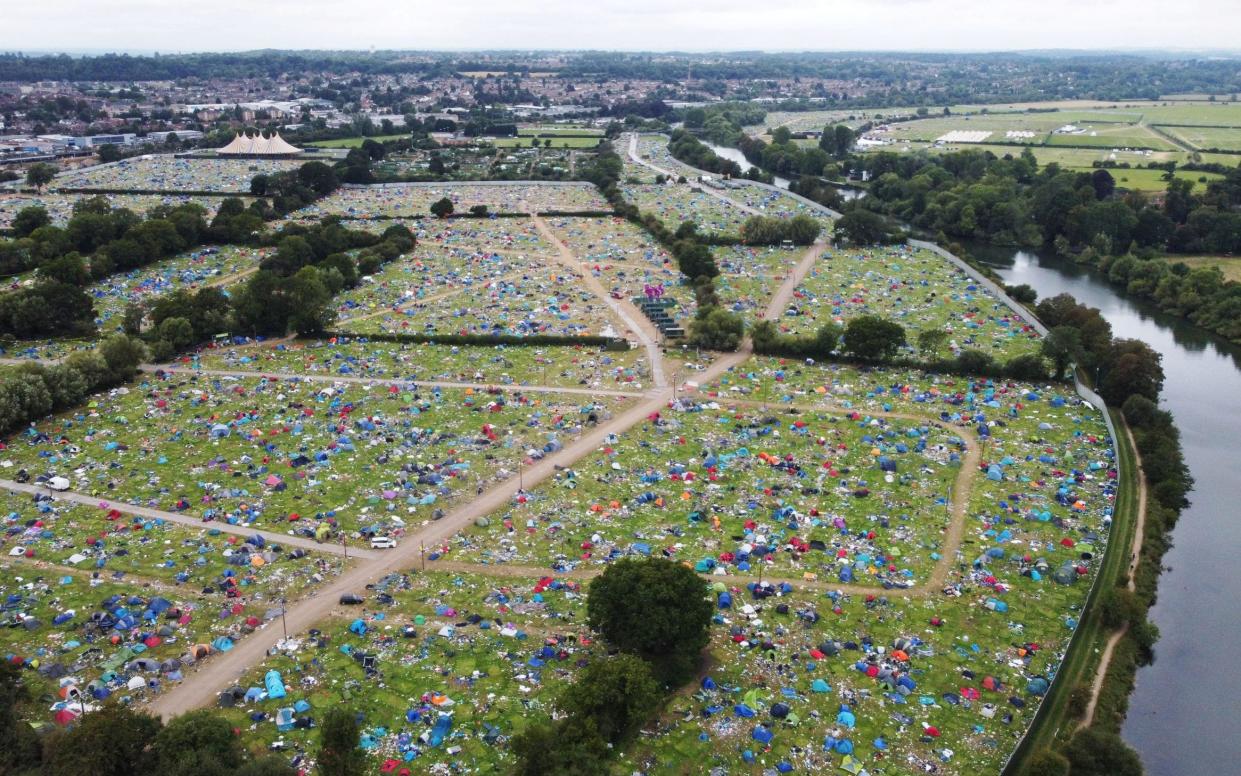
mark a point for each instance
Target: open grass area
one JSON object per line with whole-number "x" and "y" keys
{"x": 1229, "y": 265}
{"x": 1227, "y": 139}
{"x": 356, "y": 142}
{"x": 292, "y": 455}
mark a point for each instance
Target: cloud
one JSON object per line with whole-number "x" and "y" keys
{"x": 692, "y": 25}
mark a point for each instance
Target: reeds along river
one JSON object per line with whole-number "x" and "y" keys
{"x": 1177, "y": 718}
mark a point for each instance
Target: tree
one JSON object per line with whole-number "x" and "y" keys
{"x": 19, "y": 744}
{"x": 862, "y": 227}
{"x": 718, "y": 329}
{"x": 340, "y": 752}
{"x": 442, "y": 208}
{"x": 618, "y": 693}
{"x": 1094, "y": 752}
{"x": 123, "y": 355}
{"x": 109, "y": 152}
{"x": 310, "y": 303}
{"x": 695, "y": 118}
{"x": 975, "y": 362}
{"x": 1062, "y": 346}
{"x": 653, "y": 608}
{"x": 112, "y": 741}
{"x": 872, "y": 337}
{"x": 844, "y": 140}
{"x": 694, "y": 259}
{"x": 1046, "y": 762}
{"x": 930, "y": 342}
{"x": 196, "y": 742}
{"x": 41, "y": 174}
{"x": 29, "y": 219}
{"x": 259, "y": 184}
{"x": 478, "y": 211}
{"x": 570, "y": 747}
{"x": 1131, "y": 367}
{"x": 319, "y": 177}
{"x": 1103, "y": 182}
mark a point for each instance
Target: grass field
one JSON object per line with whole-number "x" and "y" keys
{"x": 356, "y": 142}
{"x": 1230, "y": 266}
{"x": 1208, "y": 137}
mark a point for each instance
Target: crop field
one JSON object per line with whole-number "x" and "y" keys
{"x": 60, "y": 206}
{"x": 290, "y": 455}
{"x": 165, "y": 173}
{"x": 914, "y": 288}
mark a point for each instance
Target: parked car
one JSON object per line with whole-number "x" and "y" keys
{"x": 382, "y": 542}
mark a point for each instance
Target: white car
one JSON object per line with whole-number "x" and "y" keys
{"x": 382, "y": 542}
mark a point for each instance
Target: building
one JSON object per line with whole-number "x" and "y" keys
{"x": 257, "y": 145}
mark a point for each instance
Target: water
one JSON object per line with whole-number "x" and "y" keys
{"x": 735, "y": 155}
{"x": 1177, "y": 715}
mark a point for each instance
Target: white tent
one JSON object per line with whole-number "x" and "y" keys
{"x": 257, "y": 145}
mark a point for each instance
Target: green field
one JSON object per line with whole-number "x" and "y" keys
{"x": 1208, "y": 137}
{"x": 1231, "y": 267}
{"x": 356, "y": 142}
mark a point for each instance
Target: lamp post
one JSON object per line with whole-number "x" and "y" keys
{"x": 284, "y": 625}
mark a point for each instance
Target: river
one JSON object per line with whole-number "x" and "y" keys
{"x": 1178, "y": 716}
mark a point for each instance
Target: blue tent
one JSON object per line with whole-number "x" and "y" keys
{"x": 275, "y": 684}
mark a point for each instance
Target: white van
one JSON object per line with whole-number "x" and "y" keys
{"x": 382, "y": 542}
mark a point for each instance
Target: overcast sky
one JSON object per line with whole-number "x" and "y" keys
{"x": 170, "y": 26}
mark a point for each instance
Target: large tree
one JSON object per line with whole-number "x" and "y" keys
{"x": 655, "y": 609}
{"x": 340, "y": 752}
{"x": 112, "y": 741}
{"x": 619, "y": 693}
{"x": 570, "y": 747}
{"x": 872, "y": 337}
{"x": 41, "y": 174}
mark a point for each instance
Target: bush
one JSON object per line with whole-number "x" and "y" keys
{"x": 717, "y": 329}
{"x": 873, "y": 338}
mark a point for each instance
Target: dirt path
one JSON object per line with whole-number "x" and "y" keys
{"x": 228, "y": 668}
{"x": 1135, "y": 551}
{"x": 104, "y": 503}
{"x": 634, "y": 320}
{"x": 322, "y": 378}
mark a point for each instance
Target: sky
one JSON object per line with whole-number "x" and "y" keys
{"x": 169, "y": 26}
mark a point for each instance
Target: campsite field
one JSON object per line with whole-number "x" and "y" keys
{"x": 557, "y": 141}
{"x": 415, "y": 200}
{"x": 169, "y": 174}
{"x": 296, "y": 456}
{"x": 564, "y": 367}
{"x": 914, "y": 288}
{"x": 60, "y": 206}
{"x": 674, "y": 204}
{"x": 831, "y": 671}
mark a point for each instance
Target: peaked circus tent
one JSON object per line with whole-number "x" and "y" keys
{"x": 257, "y": 145}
